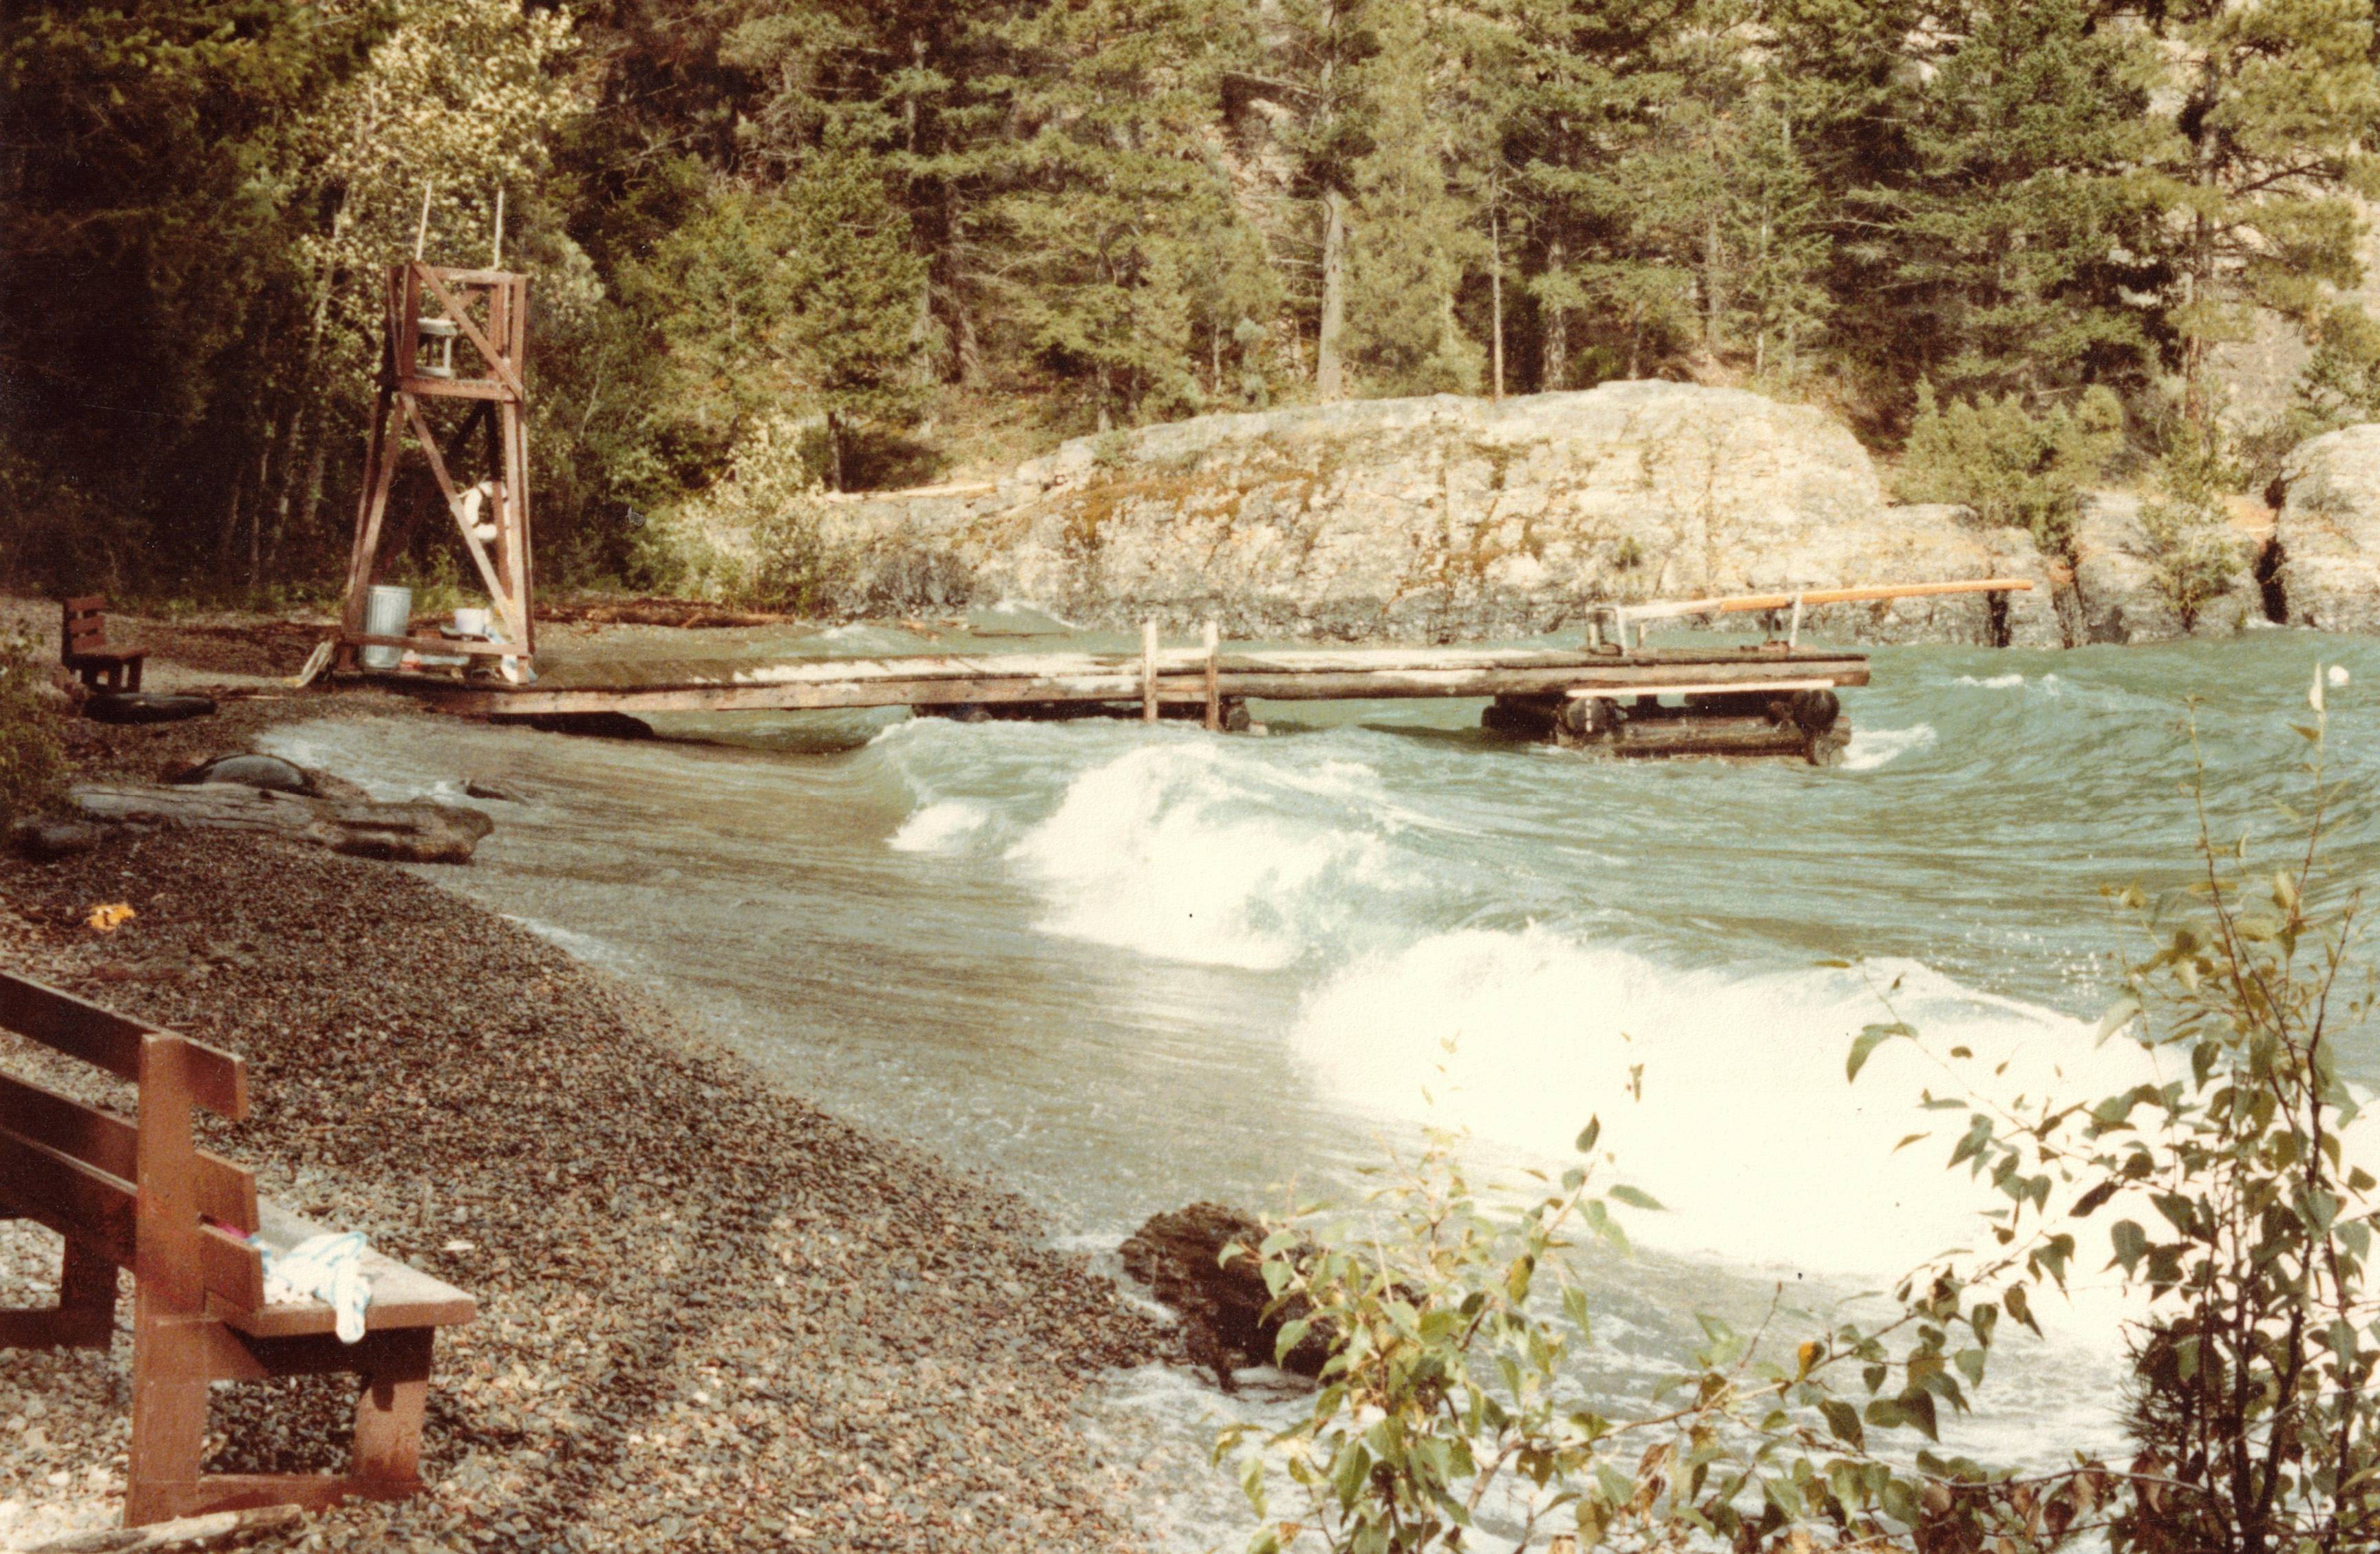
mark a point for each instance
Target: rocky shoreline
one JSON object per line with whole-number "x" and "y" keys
{"x": 711, "y": 1317}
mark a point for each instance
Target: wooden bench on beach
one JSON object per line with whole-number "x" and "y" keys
{"x": 82, "y": 647}
{"x": 143, "y": 1197}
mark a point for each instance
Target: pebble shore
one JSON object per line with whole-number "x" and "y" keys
{"x": 711, "y": 1317}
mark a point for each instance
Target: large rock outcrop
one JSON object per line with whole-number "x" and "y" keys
{"x": 2327, "y": 539}
{"x": 2120, "y": 592}
{"x": 1444, "y": 518}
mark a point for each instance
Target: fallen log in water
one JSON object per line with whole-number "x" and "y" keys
{"x": 412, "y": 832}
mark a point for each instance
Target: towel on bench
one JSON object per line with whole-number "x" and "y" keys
{"x": 328, "y": 1268}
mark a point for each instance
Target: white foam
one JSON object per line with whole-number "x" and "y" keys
{"x": 1993, "y": 682}
{"x": 1872, "y": 747}
{"x": 1184, "y": 850}
{"x": 940, "y": 827}
{"x": 1746, "y": 1129}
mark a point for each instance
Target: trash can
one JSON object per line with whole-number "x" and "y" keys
{"x": 388, "y": 611}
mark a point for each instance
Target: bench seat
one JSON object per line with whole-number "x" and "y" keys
{"x": 401, "y": 1297}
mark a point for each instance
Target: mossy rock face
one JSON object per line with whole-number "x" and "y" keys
{"x": 2325, "y": 567}
{"x": 1450, "y": 518}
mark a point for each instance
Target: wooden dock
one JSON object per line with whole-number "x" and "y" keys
{"x": 1769, "y": 698}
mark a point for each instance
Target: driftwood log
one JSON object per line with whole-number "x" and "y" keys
{"x": 413, "y": 833}
{"x": 1179, "y": 1256}
{"x": 224, "y": 1529}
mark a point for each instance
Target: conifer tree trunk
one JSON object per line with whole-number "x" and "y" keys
{"x": 1554, "y": 320}
{"x": 1714, "y": 291}
{"x": 1495, "y": 294}
{"x": 1328, "y": 374}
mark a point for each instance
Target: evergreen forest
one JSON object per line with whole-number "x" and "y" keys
{"x": 913, "y": 240}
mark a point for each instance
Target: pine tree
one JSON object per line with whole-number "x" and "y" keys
{"x": 1413, "y": 237}
{"x": 1120, "y": 220}
{"x": 796, "y": 298}
{"x": 2024, "y": 231}
{"x": 2277, "y": 104}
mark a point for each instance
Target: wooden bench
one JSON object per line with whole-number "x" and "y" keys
{"x": 145, "y": 1199}
{"x": 83, "y": 647}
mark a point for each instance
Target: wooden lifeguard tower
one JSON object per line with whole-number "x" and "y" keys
{"x": 434, "y": 317}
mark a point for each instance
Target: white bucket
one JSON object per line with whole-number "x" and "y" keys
{"x": 470, "y": 622}
{"x": 388, "y": 611}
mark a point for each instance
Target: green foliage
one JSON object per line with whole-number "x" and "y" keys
{"x": 751, "y": 538}
{"x": 1456, "y": 1380}
{"x": 2225, "y": 1197}
{"x": 32, "y": 763}
{"x": 1109, "y": 211}
{"x": 1451, "y": 1390}
{"x": 2024, "y": 232}
{"x": 2195, "y": 553}
{"x": 799, "y": 299}
{"x": 2014, "y": 467}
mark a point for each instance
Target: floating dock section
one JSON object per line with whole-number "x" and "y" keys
{"x": 1764, "y": 699}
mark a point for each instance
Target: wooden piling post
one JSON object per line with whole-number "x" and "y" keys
{"x": 1148, "y": 672}
{"x": 1214, "y": 680}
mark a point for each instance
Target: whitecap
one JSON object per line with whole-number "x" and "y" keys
{"x": 1991, "y": 683}
{"x": 939, "y": 826}
{"x": 1872, "y": 747}
{"x": 1722, "y": 1094}
{"x": 1192, "y": 851}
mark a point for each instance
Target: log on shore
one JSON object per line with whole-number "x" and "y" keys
{"x": 221, "y": 1529}
{"x": 418, "y": 832}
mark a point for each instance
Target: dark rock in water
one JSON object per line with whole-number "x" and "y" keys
{"x": 252, "y": 771}
{"x": 145, "y": 707}
{"x": 474, "y": 788}
{"x": 1179, "y": 1256}
{"x": 42, "y": 838}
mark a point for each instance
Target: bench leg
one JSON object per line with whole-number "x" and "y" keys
{"x": 169, "y": 1410}
{"x": 388, "y": 1415}
{"x": 132, "y": 673}
{"x": 84, "y": 1316}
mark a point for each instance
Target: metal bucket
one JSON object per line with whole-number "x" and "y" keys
{"x": 388, "y": 611}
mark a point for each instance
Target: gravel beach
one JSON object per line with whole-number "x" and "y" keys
{"x": 711, "y": 1316}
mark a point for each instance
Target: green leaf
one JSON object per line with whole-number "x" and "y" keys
{"x": 1636, "y": 1197}
{"x": 2122, "y": 1012}
{"x": 1588, "y": 1134}
{"x": 1866, "y": 1042}
{"x": 1844, "y": 1421}
{"x": 2130, "y": 1242}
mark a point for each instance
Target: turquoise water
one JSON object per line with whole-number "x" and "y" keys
{"x": 1121, "y": 968}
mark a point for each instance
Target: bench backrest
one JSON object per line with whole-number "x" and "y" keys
{"x": 86, "y": 624}
{"x": 141, "y": 1193}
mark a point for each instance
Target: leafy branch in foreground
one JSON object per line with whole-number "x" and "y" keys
{"x": 1452, "y": 1409}
{"x": 1455, "y": 1411}
{"x": 2231, "y": 1203}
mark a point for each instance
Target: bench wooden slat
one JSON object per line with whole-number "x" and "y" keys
{"x": 101, "y": 1037}
{"x": 86, "y": 603}
{"x": 70, "y": 1197}
{"x": 232, "y": 1270}
{"x": 227, "y": 1192}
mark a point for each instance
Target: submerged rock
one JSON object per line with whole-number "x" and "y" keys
{"x": 1179, "y": 1256}
{"x": 2328, "y": 539}
{"x": 1445, "y": 518}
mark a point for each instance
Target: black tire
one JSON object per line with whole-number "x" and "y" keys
{"x": 146, "y": 706}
